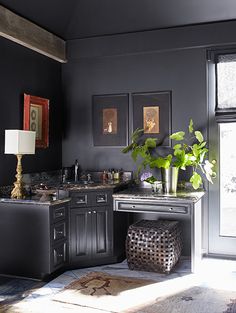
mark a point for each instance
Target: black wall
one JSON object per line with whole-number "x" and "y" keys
{"x": 25, "y": 71}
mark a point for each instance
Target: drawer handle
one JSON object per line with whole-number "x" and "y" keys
{"x": 133, "y": 206}
{"x": 81, "y": 201}
{"x": 60, "y": 255}
{"x": 170, "y": 209}
{"x": 89, "y": 212}
{"x": 101, "y": 198}
{"x": 94, "y": 212}
{"x": 60, "y": 232}
{"x": 58, "y": 214}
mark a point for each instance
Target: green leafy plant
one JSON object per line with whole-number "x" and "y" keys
{"x": 141, "y": 150}
{"x": 189, "y": 151}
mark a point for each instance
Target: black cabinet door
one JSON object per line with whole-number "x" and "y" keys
{"x": 80, "y": 235}
{"x": 102, "y": 230}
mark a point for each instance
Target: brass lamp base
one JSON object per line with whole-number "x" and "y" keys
{"x": 17, "y": 191}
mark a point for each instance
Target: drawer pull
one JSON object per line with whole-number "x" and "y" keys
{"x": 58, "y": 214}
{"x": 170, "y": 209}
{"x": 94, "y": 212}
{"x": 89, "y": 212}
{"x": 133, "y": 206}
{"x": 59, "y": 255}
{"x": 101, "y": 198}
{"x": 60, "y": 232}
{"x": 81, "y": 199}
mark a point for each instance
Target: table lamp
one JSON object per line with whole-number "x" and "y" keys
{"x": 19, "y": 142}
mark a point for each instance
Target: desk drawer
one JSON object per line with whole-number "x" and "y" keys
{"x": 150, "y": 207}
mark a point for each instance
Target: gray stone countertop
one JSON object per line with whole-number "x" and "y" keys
{"x": 93, "y": 186}
{"x": 33, "y": 201}
{"x": 136, "y": 193}
{"x": 37, "y": 198}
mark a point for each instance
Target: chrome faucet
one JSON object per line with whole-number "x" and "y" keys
{"x": 89, "y": 178}
{"x": 76, "y": 170}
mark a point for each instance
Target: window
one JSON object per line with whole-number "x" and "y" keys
{"x": 226, "y": 116}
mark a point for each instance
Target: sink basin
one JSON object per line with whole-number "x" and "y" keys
{"x": 83, "y": 184}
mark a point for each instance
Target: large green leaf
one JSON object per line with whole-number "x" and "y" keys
{"x": 177, "y": 136}
{"x": 195, "y": 149}
{"x": 135, "y": 153}
{"x": 150, "y": 180}
{"x": 151, "y": 143}
{"x": 177, "y": 149}
{"x": 161, "y": 162}
{"x": 202, "y": 145}
{"x": 128, "y": 148}
{"x": 196, "y": 180}
{"x": 136, "y": 134}
{"x": 180, "y": 159}
{"x": 190, "y": 127}
{"x": 177, "y": 146}
{"x": 202, "y": 154}
{"x": 199, "y": 136}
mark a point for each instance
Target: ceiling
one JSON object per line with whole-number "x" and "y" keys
{"x": 71, "y": 19}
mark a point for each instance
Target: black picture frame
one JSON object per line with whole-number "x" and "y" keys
{"x": 161, "y": 102}
{"x": 110, "y": 119}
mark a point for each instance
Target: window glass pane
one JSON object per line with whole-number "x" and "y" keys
{"x": 226, "y": 81}
{"x": 227, "y": 179}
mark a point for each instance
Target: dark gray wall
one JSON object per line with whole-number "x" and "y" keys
{"x": 170, "y": 59}
{"x": 24, "y": 71}
{"x": 182, "y": 72}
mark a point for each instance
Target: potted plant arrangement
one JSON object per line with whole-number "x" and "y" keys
{"x": 189, "y": 151}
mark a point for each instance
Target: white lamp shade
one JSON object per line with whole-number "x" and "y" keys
{"x": 19, "y": 141}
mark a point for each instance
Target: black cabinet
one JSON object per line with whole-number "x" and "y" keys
{"x": 33, "y": 238}
{"x": 91, "y": 228}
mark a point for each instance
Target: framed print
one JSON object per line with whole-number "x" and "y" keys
{"x": 36, "y": 118}
{"x": 110, "y": 120}
{"x": 152, "y": 112}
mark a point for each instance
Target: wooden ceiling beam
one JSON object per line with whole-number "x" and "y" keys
{"x": 30, "y": 35}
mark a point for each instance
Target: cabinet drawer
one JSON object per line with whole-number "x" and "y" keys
{"x": 101, "y": 198}
{"x": 59, "y": 254}
{"x": 59, "y": 231}
{"x": 150, "y": 207}
{"x": 80, "y": 199}
{"x": 59, "y": 213}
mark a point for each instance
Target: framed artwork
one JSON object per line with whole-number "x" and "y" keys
{"x": 36, "y": 118}
{"x": 152, "y": 112}
{"x": 110, "y": 120}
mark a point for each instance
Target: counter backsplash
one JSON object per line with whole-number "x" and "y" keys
{"x": 53, "y": 178}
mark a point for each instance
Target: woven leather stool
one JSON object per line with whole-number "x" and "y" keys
{"x": 153, "y": 245}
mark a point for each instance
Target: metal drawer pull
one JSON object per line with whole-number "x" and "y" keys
{"x": 59, "y": 214}
{"x": 170, "y": 209}
{"x": 82, "y": 199}
{"x": 94, "y": 212}
{"x": 60, "y": 232}
{"x": 89, "y": 212}
{"x": 60, "y": 255}
{"x": 101, "y": 198}
{"x": 133, "y": 206}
